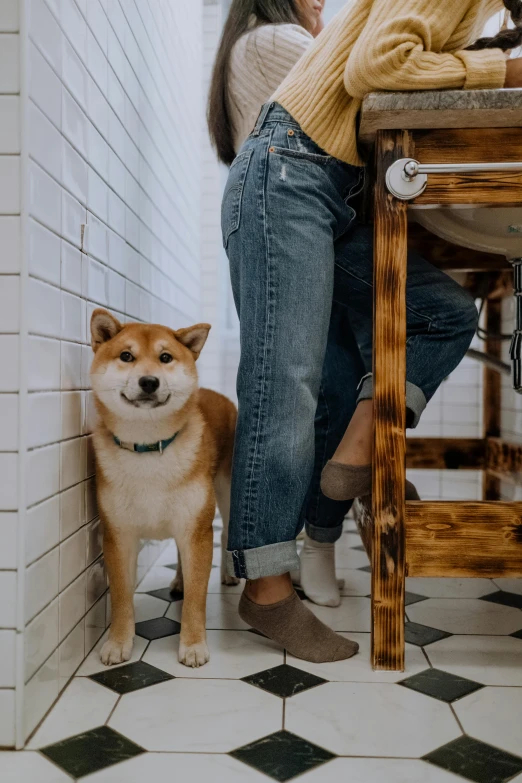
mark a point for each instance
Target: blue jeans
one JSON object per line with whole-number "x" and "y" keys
{"x": 302, "y": 272}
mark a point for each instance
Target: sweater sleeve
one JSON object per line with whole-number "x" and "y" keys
{"x": 396, "y": 54}
{"x": 278, "y": 48}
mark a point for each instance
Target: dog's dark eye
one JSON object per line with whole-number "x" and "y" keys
{"x": 165, "y": 358}
{"x": 126, "y": 356}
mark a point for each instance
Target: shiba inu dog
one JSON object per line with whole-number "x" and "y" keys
{"x": 163, "y": 458}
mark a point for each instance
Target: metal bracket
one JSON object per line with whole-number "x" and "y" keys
{"x": 407, "y": 178}
{"x": 401, "y": 183}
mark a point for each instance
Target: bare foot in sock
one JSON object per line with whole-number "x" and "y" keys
{"x": 318, "y": 578}
{"x": 292, "y": 625}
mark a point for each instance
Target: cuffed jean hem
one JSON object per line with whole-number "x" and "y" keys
{"x": 415, "y": 399}
{"x": 324, "y": 535}
{"x": 270, "y": 560}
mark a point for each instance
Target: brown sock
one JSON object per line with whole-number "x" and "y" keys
{"x": 346, "y": 482}
{"x": 292, "y": 625}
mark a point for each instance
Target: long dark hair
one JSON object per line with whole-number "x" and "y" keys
{"x": 505, "y": 39}
{"x": 238, "y": 22}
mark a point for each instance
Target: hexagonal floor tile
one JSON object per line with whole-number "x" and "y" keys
{"x": 352, "y": 615}
{"x": 221, "y": 612}
{"x": 169, "y": 767}
{"x": 441, "y": 685}
{"x": 450, "y": 587}
{"x": 504, "y": 598}
{"x": 203, "y": 716}
{"x": 359, "y": 668}
{"x": 345, "y": 557}
{"x": 91, "y": 751}
{"x": 466, "y": 615}
{"x": 422, "y": 635}
{"x": 233, "y": 655}
{"x": 83, "y": 706}
{"x": 353, "y": 719}
{"x": 282, "y": 756}
{"x": 155, "y": 579}
{"x": 356, "y": 582}
{"x": 494, "y": 715}
{"x": 476, "y": 761}
{"x": 377, "y": 771}
{"x": 20, "y": 767}
{"x": 490, "y": 660}
{"x": 510, "y": 585}
{"x": 284, "y": 681}
{"x": 157, "y": 628}
{"x": 132, "y": 677}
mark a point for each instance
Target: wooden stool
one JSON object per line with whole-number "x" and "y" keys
{"x": 433, "y": 539}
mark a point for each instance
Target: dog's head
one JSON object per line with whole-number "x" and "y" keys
{"x": 143, "y": 369}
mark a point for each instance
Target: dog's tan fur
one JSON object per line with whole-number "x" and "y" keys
{"x": 153, "y": 495}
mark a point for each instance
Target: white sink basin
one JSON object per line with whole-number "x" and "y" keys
{"x": 488, "y": 229}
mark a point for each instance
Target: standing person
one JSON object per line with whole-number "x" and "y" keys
{"x": 262, "y": 41}
{"x": 294, "y": 246}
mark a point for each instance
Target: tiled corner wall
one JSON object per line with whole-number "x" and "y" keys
{"x": 9, "y": 353}
{"x": 109, "y": 181}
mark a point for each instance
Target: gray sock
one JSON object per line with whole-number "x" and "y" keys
{"x": 292, "y": 625}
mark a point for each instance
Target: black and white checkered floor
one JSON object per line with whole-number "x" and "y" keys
{"x": 256, "y": 714}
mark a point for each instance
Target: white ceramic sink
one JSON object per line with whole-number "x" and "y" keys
{"x": 490, "y": 229}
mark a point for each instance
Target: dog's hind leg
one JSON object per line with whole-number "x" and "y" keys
{"x": 222, "y": 489}
{"x": 120, "y": 553}
{"x": 176, "y": 586}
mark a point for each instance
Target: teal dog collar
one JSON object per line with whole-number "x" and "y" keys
{"x": 144, "y": 448}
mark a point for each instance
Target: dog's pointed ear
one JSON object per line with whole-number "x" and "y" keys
{"x": 104, "y": 326}
{"x": 194, "y": 337}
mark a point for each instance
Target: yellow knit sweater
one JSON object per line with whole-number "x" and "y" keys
{"x": 381, "y": 45}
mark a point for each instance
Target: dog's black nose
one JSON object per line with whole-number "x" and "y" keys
{"x": 149, "y": 383}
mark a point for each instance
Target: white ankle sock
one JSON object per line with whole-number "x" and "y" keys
{"x": 318, "y": 578}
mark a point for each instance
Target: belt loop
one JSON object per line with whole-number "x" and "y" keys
{"x": 261, "y": 118}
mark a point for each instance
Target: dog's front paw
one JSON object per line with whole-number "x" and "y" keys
{"x": 194, "y": 655}
{"x": 116, "y": 652}
{"x": 229, "y": 580}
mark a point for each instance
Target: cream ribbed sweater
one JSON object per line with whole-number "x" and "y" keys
{"x": 382, "y": 45}
{"x": 259, "y": 62}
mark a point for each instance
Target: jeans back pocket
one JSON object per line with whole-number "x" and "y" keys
{"x": 233, "y": 195}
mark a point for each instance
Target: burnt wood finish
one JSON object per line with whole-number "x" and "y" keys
{"x": 389, "y": 368}
{"x": 492, "y": 392}
{"x": 504, "y": 460}
{"x": 499, "y": 187}
{"x": 464, "y": 539}
{"x": 453, "y": 145}
{"x": 445, "y": 453}
{"x": 434, "y": 539}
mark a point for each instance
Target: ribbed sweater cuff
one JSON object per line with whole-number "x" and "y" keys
{"x": 485, "y": 69}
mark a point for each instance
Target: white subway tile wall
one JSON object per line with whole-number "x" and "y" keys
{"x": 10, "y": 140}
{"x": 110, "y": 216}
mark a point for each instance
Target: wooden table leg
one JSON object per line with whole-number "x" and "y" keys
{"x": 389, "y": 368}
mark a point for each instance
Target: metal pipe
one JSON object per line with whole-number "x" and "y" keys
{"x": 515, "y": 350}
{"x": 413, "y": 168}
